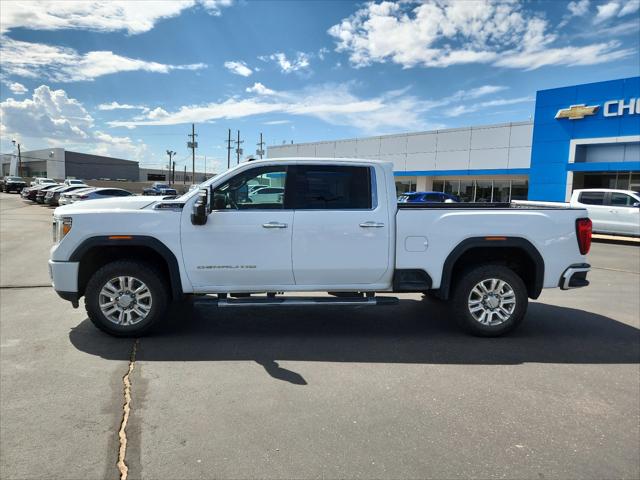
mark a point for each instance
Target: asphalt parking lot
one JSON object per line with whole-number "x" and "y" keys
{"x": 386, "y": 392}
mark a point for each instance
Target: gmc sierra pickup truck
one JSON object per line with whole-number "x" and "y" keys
{"x": 335, "y": 227}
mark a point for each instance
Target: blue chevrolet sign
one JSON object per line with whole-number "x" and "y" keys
{"x": 600, "y": 113}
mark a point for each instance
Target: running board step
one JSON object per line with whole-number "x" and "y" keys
{"x": 298, "y": 301}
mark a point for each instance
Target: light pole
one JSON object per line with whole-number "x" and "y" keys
{"x": 19, "y": 157}
{"x": 171, "y": 153}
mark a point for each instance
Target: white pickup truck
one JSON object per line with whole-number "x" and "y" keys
{"x": 335, "y": 227}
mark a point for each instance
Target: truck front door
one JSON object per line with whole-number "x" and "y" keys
{"x": 341, "y": 230}
{"x": 246, "y": 242}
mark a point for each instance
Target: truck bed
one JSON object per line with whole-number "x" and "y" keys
{"x": 487, "y": 205}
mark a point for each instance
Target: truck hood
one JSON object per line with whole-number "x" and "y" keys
{"x": 104, "y": 204}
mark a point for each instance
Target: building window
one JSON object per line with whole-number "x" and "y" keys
{"x": 501, "y": 191}
{"x": 404, "y": 186}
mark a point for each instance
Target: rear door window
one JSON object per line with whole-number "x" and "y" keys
{"x": 332, "y": 187}
{"x": 591, "y": 198}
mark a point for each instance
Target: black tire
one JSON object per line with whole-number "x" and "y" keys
{"x": 144, "y": 272}
{"x": 462, "y": 292}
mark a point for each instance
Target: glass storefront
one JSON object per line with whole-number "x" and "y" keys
{"x": 618, "y": 180}
{"x": 404, "y": 186}
{"x": 484, "y": 190}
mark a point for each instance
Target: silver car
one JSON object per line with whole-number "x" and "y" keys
{"x": 97, "y": 193}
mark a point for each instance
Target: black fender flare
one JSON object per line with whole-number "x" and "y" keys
{"x": 493, "y": 242}
{"x": 124, "y": 240}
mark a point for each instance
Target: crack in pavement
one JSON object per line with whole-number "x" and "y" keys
{"x": 126, "y": 409}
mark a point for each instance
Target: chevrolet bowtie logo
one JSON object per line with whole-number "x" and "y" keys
{"x": 576, "y": 112}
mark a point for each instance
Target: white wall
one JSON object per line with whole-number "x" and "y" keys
{"x": 483, "y": 147}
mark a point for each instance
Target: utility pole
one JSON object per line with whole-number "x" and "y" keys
{"x": 173, "y": 173}
{"x": 171, "y": 153}
{"x": 238, "y": 149}
{"x": 184, "y": 176}
{"x": 229, "y": 151}
{"x": 193, "y": 145}
{"x": 260, "y": 144}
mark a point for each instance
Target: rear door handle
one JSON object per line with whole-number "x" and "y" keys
{"x": 372, "y": 225}
{"x": 274, "y": 225}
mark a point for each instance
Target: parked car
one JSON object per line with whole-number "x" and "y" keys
{"x": 615, "y": 212}
{"x": 52, "y": 196}
{"x": 73, "y": 181}
{"x": 428, "y": 197}
{"x": 32, "y": 192}
{"x": 266, "y": 195}
{"x": 159, "y": 188}
{"x": 42, "y": 181}
{"x": 13, "y": 184}
{"x": 337, "y": 228}
{"x": 98, "y": 193}
{"x": 66, "y": 197}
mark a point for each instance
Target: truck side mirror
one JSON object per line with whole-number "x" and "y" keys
{"x": 201, "y": 208}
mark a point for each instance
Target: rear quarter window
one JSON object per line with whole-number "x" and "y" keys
{"x": 591, "y": 198}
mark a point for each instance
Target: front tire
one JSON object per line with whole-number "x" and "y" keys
{"x": 126, "y": 298}
{"x": 490, "y": 300}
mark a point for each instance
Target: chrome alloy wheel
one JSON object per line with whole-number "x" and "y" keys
{"x": 125, "y": 300}
{"x": 492, "y": 302}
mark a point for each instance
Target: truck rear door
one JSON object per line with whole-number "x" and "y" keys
{"x": 341, "y": 229}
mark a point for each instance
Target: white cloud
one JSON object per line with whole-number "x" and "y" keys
{"x": 52, "y": 118}
{"x": 119, "y": 106}
{"x": 606, "y": 11}
{"x": 259, "y": 89}
{"x": 17, "y": 88}
{"x": 277, "y": 122}
{"x": 61, "y": 64}
{"x": 632, "y": 6}
{"x": 333, "y": 103}
{"x": 570, "y": 56}
{"x": 578, "y": 8}
{"x": 103, "y": 16}
{"x": 301, "y": 61}
{"x": 157, "y": 113}
{"x": 238, "y": 67}
{"x": 459, "y": 110}
{"x": 440, "y": 34}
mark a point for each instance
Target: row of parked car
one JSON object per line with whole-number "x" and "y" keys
{"x": 49, "y": 192}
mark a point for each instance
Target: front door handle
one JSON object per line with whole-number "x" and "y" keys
{"x": 372, "y": 225}
{"x": 274, "y": 225}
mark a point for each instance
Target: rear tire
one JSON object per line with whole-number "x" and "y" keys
{"x": 490, "y": 300}
{"x": 126, "y": 298}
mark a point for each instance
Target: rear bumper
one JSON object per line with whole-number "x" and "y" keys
{"x": 575, "y": 276}
{"x": 64, "y": 279}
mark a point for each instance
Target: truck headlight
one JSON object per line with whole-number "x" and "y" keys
{"x": 61, "y": 226}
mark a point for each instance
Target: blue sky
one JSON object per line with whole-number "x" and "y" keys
{"x": 127, "y": 78}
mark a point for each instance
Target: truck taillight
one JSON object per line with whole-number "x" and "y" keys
{"x": 583, "y": 232}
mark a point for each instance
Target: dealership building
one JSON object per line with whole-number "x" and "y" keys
{"x": 59, "y": 163}
{"x": 582, "y": 136}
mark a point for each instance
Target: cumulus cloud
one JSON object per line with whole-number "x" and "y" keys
{"x": 441, "y": 34}
{"x": 578, "y": 8}
{"x": 120, "y": 106}
{"x": 238, "y": 67}
{"x": 606, "y": 11}
{"x": 259, "y": 89}
{"x": 300, "y": 61}
{"x": 52, "y": 118}
{"x": 336, "y": 104}
{"x": 61, "y": 64}
{"x": 17, "y": 88}
{"x": 102, "y": 16}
